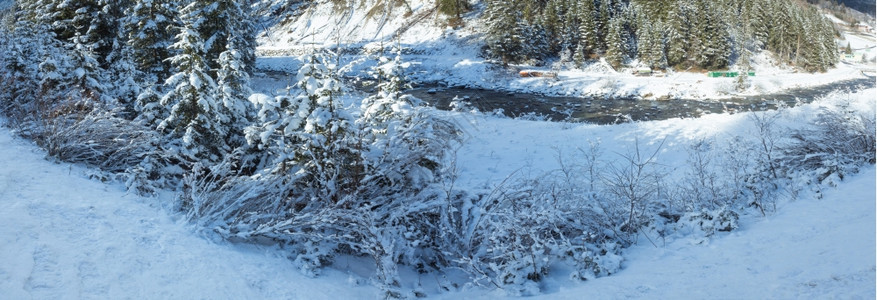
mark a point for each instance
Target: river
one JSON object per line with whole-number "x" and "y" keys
{"x": 597, "y": 110}
{"x": 609, "y": 111}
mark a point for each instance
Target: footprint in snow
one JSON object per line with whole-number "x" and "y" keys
{"x": 45, "y": 277}
{"x": 92, "y": 286}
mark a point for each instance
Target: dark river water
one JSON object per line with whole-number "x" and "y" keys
{"x": 609, "y": 111}
{"x": 598, "y": 110}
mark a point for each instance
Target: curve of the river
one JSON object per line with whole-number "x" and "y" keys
{"x": 608, "y": 111}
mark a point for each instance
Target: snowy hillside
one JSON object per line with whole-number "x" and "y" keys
{"x": 66, "y": 236}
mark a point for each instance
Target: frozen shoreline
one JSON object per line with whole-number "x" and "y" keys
{"x": 594, "y": 81}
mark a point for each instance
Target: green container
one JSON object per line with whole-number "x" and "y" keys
{"x": 751, "y": 74}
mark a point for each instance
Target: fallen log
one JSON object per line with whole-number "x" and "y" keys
{"x": 528, "y": 73}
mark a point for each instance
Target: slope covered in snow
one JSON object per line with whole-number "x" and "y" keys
{"x": 811, "y": 249}
{"x": 65, "y": 236}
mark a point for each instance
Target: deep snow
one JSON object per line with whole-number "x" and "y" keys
{"x": 65, "y": 236}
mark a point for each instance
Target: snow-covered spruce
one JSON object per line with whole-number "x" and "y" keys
{"x": 329, "y": 182}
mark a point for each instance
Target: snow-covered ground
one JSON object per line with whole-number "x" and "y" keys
{"x": 65, "y": 236}
{"x": 811, "y": 249}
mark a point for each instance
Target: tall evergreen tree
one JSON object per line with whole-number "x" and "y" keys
{"x": 222, "y": 23}
{"x": 552, "y": 22}
{"x": 715, "y": 46}
{"x": 503, "y": 33}
{"x": 780, "y": 39}
{"x": 678, "y": 33}
{"x": 651, "y": 46}
{"x": 124, "y": 80}
{"x": 234, "y": 89}
{"x": 588, "y": 40}
{"x": 193, "y": 125}
{"x": 151, "y": 29}
{"x": 88, "y": 75}
{"x": 569, "y": 32}
{"x": 616, "y": 43}
{"x": 761, "y": 22}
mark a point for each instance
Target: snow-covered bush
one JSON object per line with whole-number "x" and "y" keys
{"x": 765, "y": 166}
{"x": 632, "y": 186}
{"x": 703, "y": 185}
{"x": 97, "y": 138}
{"x": 595, "y": 260}
{"x": 841, "y": 140}
{"x": 708, "y": 222}
{"x": 510, "y": 236}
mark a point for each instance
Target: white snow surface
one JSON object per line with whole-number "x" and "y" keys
{"x": 65, "y": 236}
{"x": 810, "y": 249}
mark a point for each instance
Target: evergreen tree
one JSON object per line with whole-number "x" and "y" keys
{"x": 234, "y": 89}
{"x": 105, "y": 32}
{"x": 552, "y": 22}
{"x": 74, "y": 24}
{"x": 656, "y": 10}
{"x": 651, "y": 46}
{"x": 94, "y": 24}
{"x": 24, "y": 52}
{"x": 222, "y": 23}
{"x": 780, "y": 39}
{"x": 678, "y": 40}
{"x": 569, "y": 33}
{"x": 453, "y": 8}
{"x": 307, "y": 132}
{"x": 715, "y": 39}
{"x": 389, "y": 100}
{"x": 324, "y": 150}
{"x": 761, "y": 22}
{"x": 606, "y": 12}
{"x": 149, "y": 108}
{"x": 616, "y": 43}
{"x": 816, "y": 55}
{"x": 151, "y": 28}
{"x": 193, "y": 124}
{"x": 503, "y": 33}
{"x": 88, "y": 75}
{"x": 588, "y": 41}
{"x": 125, "y": 87}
